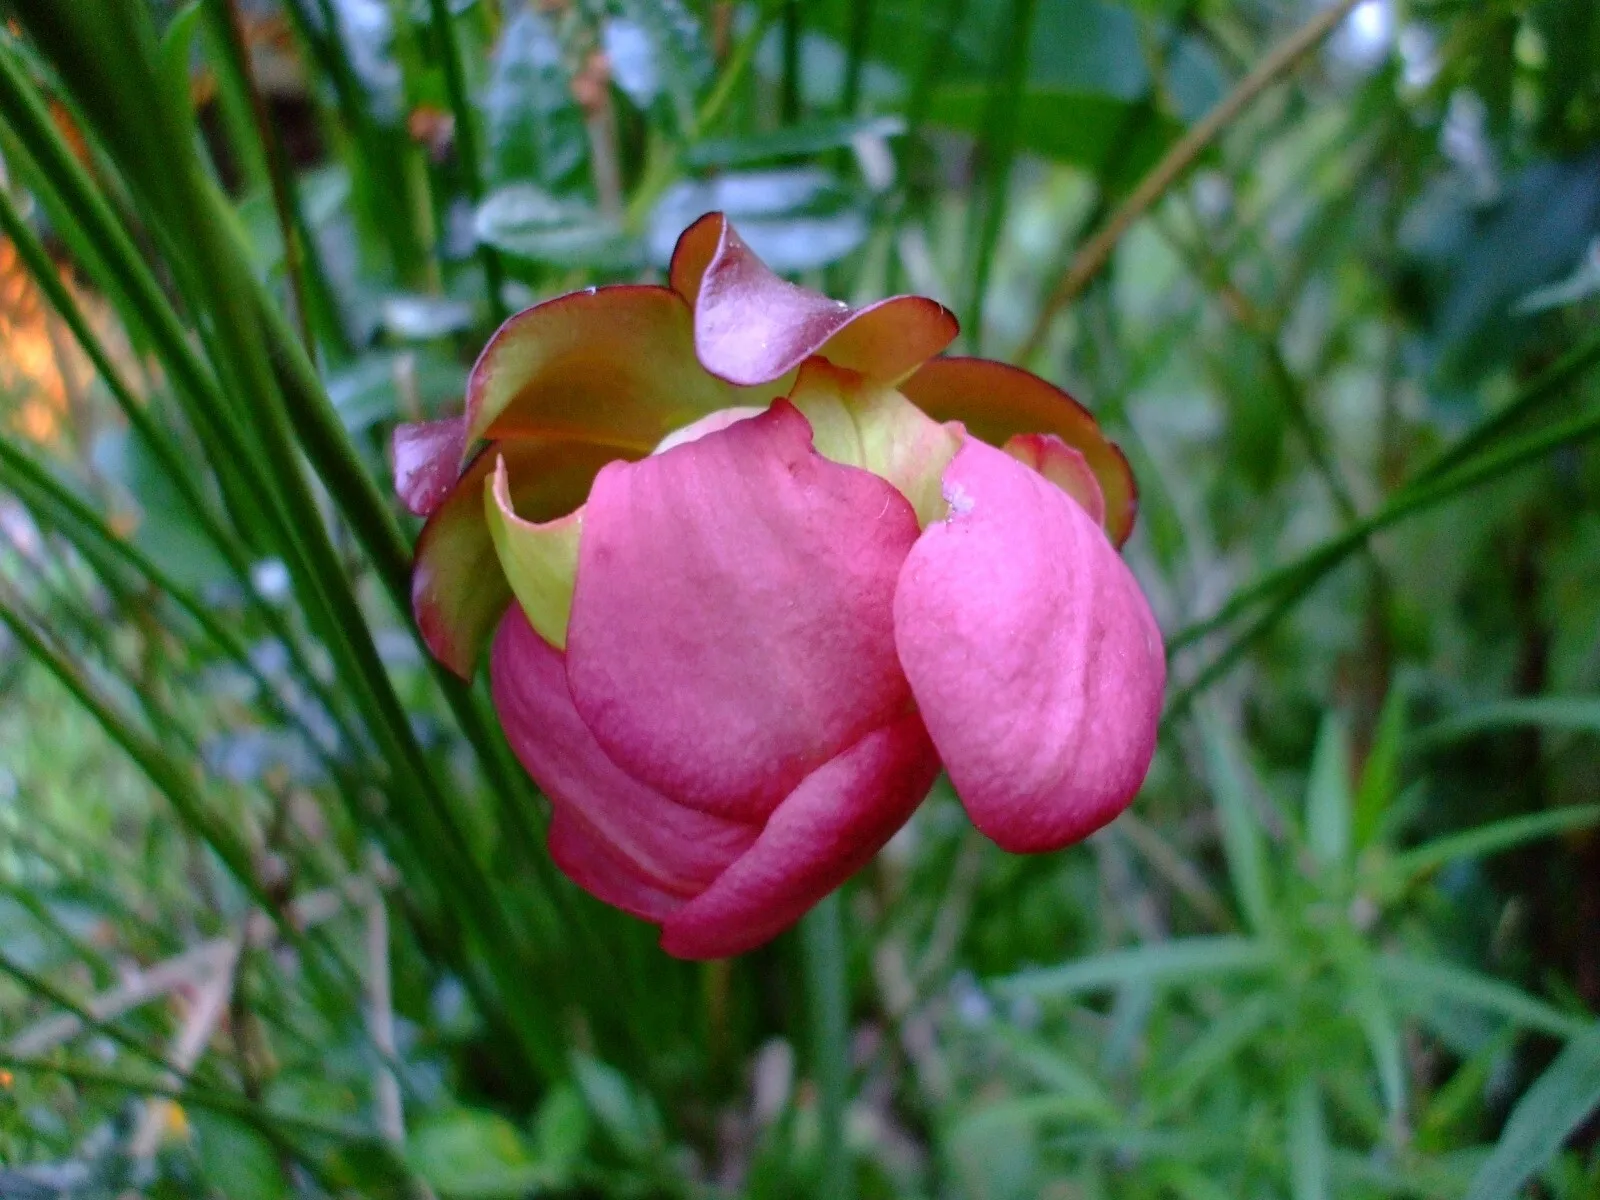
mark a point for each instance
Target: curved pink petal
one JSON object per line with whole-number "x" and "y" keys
{"x": 458, "y": 590}
{"x": 732, "y": 624}
{"x": 996, "y": 401}
{"x": 697, "y": 246}
{"x": 587, "y": 859}
{"x": 821, "y": 834}
{"x": 1063, "y": 466}
{"x": 612, "y": 835}
{"x": 1032, "y": 654}
{"x": 750, "y": 326}
{"x": 427, "y": 458}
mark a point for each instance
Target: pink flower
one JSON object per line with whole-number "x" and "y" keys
{"x": 756, "y": 564}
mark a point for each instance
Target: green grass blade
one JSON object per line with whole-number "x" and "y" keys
{"x": 1419, "y": 984}
{"x": 828, "y": 1004}
{"x": 1308, "y": 1144}
{"x": 1380, "y": 777}
{"x": 1242, "y": 840}
{"x": 1190, "y": 960}
{"x": 1559, "y": 1101}
{"x": 1576, "y": 714}
{"x": 1493, "y": 839}
{"x": 1204, "y": 1058}
{"x": 1328, "y": 800}
{"x": 995, "y": 152}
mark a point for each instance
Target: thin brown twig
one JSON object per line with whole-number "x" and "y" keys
{"x": 200, "y": 1023}
{"x": 1096, "y": 252}
{"x": 380, "y": 1018}
{"x": 191, "y": 966}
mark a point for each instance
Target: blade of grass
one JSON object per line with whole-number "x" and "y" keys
{"x": 208, "y": 270}
{"x": 995, "y": 153}
{"x": 1242, "y": 842}
{"x": 1308, "y": 1144}
{"x": 828, "y": 1003}
{"x": 1284, "y": 586}
{"x": 1559, "y": 1101}
{"x": 1175, "y": 163}
{"x": 1478, "y": 464}
{"x": 467, "y": 151}
{"x": 1579, "y": 714}
{"x": 54, "y": 504}
{"x": 1493, "y": 839}
{"x": 1173, "y": 963}
{"x": 168, "y": 776}
{"x": 315, "y": 305}
{"x": 1234, "y": 1028}
{"x": 1419, "y": 983}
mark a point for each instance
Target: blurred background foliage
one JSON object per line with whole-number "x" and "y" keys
{"x": 275, "y": 913}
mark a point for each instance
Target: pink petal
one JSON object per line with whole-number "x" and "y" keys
{"x": 458, "y": 591}
{"x": 427, "y": 458}
{"x": 751, "y": 326}
{"x": 1063, "y": 466}
{"x": 996, "y": 401}
{"x": 1032, "y": 655}
{"x": 591, "y": 862}
{"x": 821, "y": 834}
{"x": 613, "y": 836}
{"x": 732, "y": 625}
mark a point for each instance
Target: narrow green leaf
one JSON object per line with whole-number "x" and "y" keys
{"x": 1380, "y": 778}
{"x": 1477, "y": 457}
{"x": 1328, "y": 800}
{"x": 1420, "y": 984}
{"x": 1054, "y": 1070}
{"x": 1577, "y": 714}
{"x": 1373, "y": 1012}
{"x": 1190, "y": 960}
{"x": 1235, "y": 1028}
{"x": 1241, "y": 832}
{"x": 996, "y": 151}
{"x": 824, "y": 959}
{"x": 805, "y": 139}
{"x": 1558, "y": 1102}
{"x": 1308, "y": 1144}
{"x": 1493, "y": 838}
{"x": 177, "y": 55}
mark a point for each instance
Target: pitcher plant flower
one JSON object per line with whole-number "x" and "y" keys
{"x": 753, "y": 565}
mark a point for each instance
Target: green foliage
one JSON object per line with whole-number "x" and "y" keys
{"x": 1344, "y": 944}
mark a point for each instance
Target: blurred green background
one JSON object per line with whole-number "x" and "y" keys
{"x": 276, "y": 918}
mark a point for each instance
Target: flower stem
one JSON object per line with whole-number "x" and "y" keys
{"x": 822, "y": 938}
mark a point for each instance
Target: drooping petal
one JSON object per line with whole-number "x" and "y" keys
{"x": 750, "y": 326}
{"x": 612, "y": 835}
{"x": 874, "y": 427}
{"x": 1063, "y": 466}
{"x": 697, "y": 246}
{"x": 1032, "y": 654}
{"x": 458, "y": 591}
{"x": 540, "y": 559}
{"x": 612, "y": 364}
{"x": 732, "y": 624}
{"x": 822, "y": 833}
{"x": 996, "y": 402}
{"x": 427, "y": 458}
